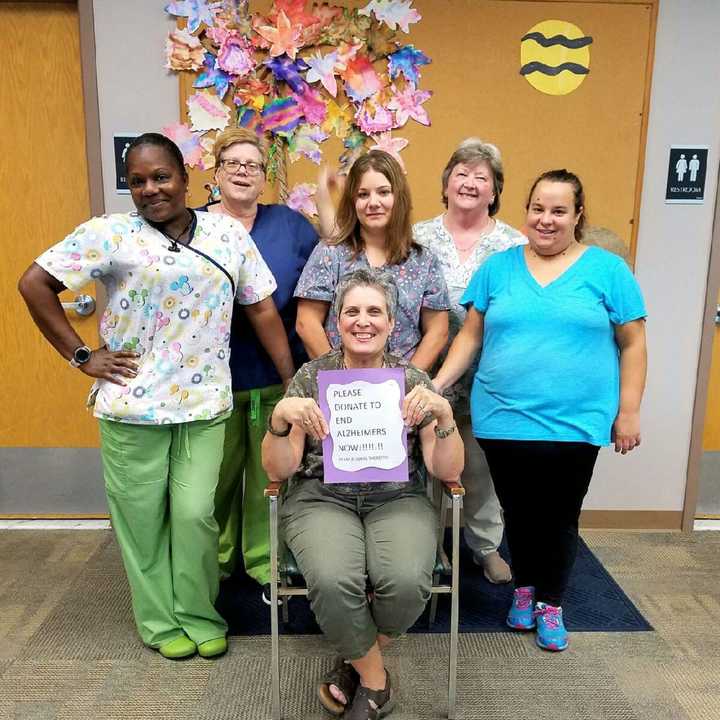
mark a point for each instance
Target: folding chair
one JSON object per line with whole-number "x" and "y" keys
{"x": 284, "y": 568}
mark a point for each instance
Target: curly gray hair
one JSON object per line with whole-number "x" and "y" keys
{"x": 472, "y": 151}
{"x": 367, "y": 277}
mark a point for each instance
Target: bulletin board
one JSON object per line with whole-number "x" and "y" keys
{"x": 597, "y": 130}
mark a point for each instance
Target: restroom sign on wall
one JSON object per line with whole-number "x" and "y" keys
{"x": 687, "y": 169}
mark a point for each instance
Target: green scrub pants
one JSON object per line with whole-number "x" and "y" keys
{"x": 160, "y": 483}
{"x": 241, "y": 509}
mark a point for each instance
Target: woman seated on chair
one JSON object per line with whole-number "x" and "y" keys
{"x": 343, "y": 535}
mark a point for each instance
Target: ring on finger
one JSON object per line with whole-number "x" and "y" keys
{"x": 306, "y": 422}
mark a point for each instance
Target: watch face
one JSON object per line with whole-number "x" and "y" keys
{"x": 82, "y": 355}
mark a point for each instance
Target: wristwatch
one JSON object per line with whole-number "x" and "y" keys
{"x": 442, "y": 433}
{"x": 80, "y": 356}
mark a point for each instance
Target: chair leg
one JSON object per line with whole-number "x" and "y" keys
{"x": 285, "y": 602}
{"x": 455, "y": 606}
{"x": 433, "y": 602}
{"x": 274, "y": 630}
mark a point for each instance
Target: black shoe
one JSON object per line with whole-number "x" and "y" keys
{"x": 266, "y": 595}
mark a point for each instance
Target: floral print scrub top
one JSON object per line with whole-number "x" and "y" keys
{"x": 174, "y": 308}
{"x": 434, "y": 235}
{"x": 419, "y": 281}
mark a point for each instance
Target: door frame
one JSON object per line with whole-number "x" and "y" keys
{"x": 692, "y": 485}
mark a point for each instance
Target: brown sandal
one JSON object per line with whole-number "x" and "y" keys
{"x": 372, "y": 704}
{"x": 345, "y": 678}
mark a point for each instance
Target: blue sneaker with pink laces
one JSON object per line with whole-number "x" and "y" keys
{"x": 521, "y": 616}
{"x": 551, "y": 632}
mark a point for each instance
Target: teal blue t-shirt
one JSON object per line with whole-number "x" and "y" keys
{"x": 549, "y": 365}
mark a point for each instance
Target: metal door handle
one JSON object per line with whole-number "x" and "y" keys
{"x": 717, "y": 315}
{"x": 84, "y": 305}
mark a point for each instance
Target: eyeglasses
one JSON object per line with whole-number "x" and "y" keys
{"x": 251, "y": 168}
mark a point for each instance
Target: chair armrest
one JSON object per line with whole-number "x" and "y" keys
{"x": 273, "y": 488}
{"x": 452, "y": 488}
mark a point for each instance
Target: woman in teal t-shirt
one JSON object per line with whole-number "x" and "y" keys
{"x": 561, "y": 373}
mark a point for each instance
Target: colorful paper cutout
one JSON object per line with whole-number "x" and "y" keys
{"x": 338, "y": 119}
{"x": 281, "y": 116}
{"x": 391, "y": 145}
{"x": 283, "y": 38}
{"x": 394, "y": 13}
{"x": 407, "y": 104}
{"x": 235, "y": 55}
{"x": 361, "y": 80}
{"x": 212, "y": 76}
{"x": 196, "y": 11}
{"x": 301, "y": 199}
{"x": 322, "y": 69}
{"x": 183, "y": 51}
{"x": 406, "y": 61}
{"x": 306, "y": 141}
{"x": 374, "y": 118}
{"x": 207, "y": 112}
{"x": 285, "y": 70}
{"x": 186, "y": 140}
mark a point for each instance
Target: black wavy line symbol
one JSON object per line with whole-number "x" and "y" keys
{"x": 536, "y": 66}
{"x": 563, "y": 40}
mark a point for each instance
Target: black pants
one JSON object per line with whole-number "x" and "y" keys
{"x": 541, "y": 486}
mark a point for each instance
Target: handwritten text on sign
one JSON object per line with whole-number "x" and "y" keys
{"x": 367, "y": 440}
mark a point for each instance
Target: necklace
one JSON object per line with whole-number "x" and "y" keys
{"x": 554, "y": 255}
{"x": 465, "y": 247}
{"x": 175, "y": 239}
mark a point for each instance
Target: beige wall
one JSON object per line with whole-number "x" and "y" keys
{"x": 136, "y": 93}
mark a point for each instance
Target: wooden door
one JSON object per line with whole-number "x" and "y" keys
{"x": 45, "y": 430}
{"x": 709, "y": 493}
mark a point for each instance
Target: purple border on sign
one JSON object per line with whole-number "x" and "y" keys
{"x": 369, "y": 474}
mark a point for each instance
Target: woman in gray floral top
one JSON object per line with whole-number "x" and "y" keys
{"x": 372, "y": 230}
{"x": 343, "y": 535}
{"x": 462, "y": 238}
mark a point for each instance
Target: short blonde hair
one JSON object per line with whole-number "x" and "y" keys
{"x": 233, "y": 136}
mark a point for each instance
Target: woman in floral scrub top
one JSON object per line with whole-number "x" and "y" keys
{"x": 463, "y": 238}
{"x": 373, "y": 230}
{"x": 162, "y": 389}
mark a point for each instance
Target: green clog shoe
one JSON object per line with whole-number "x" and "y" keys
{"x": 212, "y": 648}
{"x": 181, "y": 647}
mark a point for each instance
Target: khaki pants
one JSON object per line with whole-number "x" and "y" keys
{"x": 340, "y": 542}
{"x": 160, "y": 484}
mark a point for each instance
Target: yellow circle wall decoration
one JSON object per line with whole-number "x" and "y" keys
{"x": 555, "y": 56}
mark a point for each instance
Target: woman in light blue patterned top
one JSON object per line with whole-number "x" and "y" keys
{"x": 462, "y": 239}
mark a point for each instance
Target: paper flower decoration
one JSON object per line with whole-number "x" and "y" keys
{"x": 207, "y": 161}
{"x": 281, "y": 116}
{"x": 408, "y": 104}
{"x": 306, "y": 141}
{"x": 393, "y": 13}
{"x": 313, "y": 107}
{"x": 361, "y": 80}
{"x": 207, "y": 112}
{"x": 212, "y": 76}
{"x": 183, "y": 51}
{"x": 283, "y": 38}
{"x": 391, "y": 145}
{"x": 235, "y": 55}
{"x": 372, "y": 118}
{"x": 196, "y": 11}
{"x": 251, "y": 92}
{"x": 187, "y": 141}
{"x": 285, "y": 70}
{"x": 322, "y": 69}
{"x": 338, "y": 119}
{"x": 301, "y": 199}
{"x": 406, "y": 60}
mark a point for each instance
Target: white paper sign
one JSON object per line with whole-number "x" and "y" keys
{"x": 366, "y": 425}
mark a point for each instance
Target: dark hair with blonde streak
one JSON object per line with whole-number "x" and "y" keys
{"x": 399, "y": 239}
{"x": 565, "y": 176}
{"x": 233, "y": 136}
